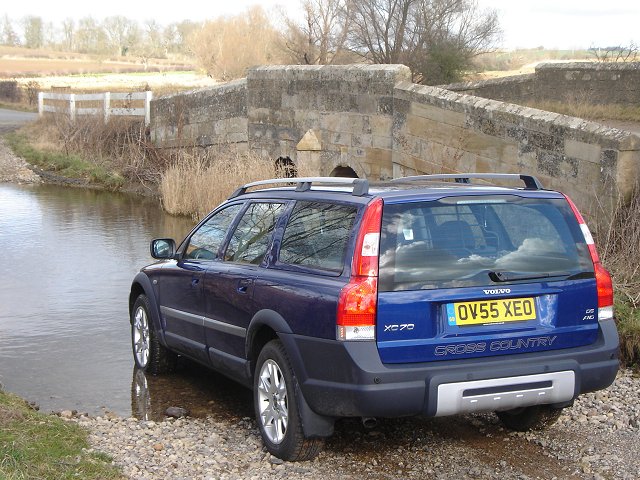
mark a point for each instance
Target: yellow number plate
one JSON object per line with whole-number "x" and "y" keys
{"x": 491, "y": 311}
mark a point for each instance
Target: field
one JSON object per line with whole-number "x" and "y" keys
{"x": 80, "y": 73}
{"x": 504, "y": 63}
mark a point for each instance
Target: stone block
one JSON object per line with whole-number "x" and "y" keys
{"x": 384, "y": 142}
{"x": 437, "y": 114}
{"x": 581, "y": 150}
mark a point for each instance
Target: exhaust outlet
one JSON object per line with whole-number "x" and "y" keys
{"x": 369, "y": 422}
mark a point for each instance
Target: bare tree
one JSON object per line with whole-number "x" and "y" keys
{"x": 68, "y": 33}
{"x": 8, "y": 35}
{"x": 33, "y": 31}
{"x": 321, "y": 38}
{"x": 436, "y": 38}
{"x": 120, "y": 33}
{"x": 620, "y": 53}
{"x": 227, "y": 46}
{"x": 90, "y": 37}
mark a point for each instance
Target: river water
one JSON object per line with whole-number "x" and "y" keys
{"x": 67, "y": 260}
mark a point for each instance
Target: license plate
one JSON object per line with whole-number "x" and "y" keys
{"x": 491, "y": 311}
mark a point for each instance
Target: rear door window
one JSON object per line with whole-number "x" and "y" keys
{"x": 472, "y": 241}
{"x": 251, "y": 239}
{"x": 316, "y": 235}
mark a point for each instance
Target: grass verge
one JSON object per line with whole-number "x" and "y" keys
{"x": 69, "y": 165}
{"x": 628, "y": 319}
{"x": 625, "y": 113}
{"x": 37, "y": 446}
{"x": 22, "y": 107}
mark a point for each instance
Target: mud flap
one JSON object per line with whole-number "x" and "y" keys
{"x": 313, "y": 425}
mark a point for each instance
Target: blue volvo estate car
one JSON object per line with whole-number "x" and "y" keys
{"x": 431, "y": 295}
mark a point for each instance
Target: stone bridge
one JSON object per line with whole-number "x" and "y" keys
{"x": 371, "y": 121}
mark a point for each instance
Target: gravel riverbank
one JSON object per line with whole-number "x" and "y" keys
{"x": 597, "y": 438}
{"x": 13, "y": 168}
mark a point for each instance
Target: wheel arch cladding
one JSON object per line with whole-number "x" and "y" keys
{"x": 264, "y": 326}
{"x": 142, "y": 286}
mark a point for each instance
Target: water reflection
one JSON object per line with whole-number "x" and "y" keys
{"x": 69, "y": 256}
{"x": 195, "y": 388}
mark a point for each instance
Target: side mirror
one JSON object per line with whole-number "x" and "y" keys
{"x": 163, "y": 248}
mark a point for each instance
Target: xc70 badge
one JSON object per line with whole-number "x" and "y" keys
{"x": 398, "y": 327}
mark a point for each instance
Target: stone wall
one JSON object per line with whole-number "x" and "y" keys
{"x": 436, "y": 130}
{"x": 589, "y": 82}
{"x": 597, "y": 83}
{"x": 208, "y": 117}
{"x": 515, "y": 89}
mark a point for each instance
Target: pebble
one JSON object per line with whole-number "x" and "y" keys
{"x": 176, "y": 412}
{"x": 596, "y": 438}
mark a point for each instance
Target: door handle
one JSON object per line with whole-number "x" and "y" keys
{"x": 243, "y": 285}
{"x": 195, "y": 282}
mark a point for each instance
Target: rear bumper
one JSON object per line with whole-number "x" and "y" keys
{"x": 347, "y": 379}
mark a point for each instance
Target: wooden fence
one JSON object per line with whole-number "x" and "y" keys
{"x": 74, "y": 104}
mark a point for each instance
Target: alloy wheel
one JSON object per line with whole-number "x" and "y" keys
{"x": 141, "y": 337}
{"x": 272, "y": 401}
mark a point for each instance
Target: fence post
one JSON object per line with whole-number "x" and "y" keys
{"x": 40, "y": 104}
{"x": 147, "y": 108}
{"x": 107, "y": 106}
{"x": 72, "y": 107}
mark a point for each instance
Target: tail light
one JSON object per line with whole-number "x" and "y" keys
{"x": 358, "y": 302}
{"x": 604, "y": 284}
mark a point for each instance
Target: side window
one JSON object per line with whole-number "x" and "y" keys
{"x": 316, "y": 235}
{"x": 206, "y": 241}
{"x": 251, "y": 239}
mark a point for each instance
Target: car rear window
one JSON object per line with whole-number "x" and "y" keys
{"x": 476, "y": 241}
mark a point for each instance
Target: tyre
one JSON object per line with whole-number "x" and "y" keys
{"x": 276, "y": 407}
{"x": 149, "y": 354}
{"x": 536, "y": 417}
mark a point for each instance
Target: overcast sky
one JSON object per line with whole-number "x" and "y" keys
{"x": 562, "y": 24}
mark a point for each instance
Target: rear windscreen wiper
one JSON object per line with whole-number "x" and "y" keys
{"x": 512, "y": 276}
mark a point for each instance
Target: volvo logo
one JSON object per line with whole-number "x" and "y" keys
{"x": 497, "y": 291}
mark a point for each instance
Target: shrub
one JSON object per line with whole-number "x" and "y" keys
{"x": 199, "y": 180}
{"x": 618, "y": 233}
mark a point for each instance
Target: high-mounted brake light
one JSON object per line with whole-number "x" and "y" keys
{"x": 358, "y": 302}
{"x": 604, "y": 285}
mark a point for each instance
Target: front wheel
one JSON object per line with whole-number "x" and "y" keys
{"x": 276, "y": 407}
{"x": 536, "y": 417}
{"x": 149, "y": 354}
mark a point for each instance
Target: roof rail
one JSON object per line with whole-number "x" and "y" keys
{"x": 303, "y": 184}
{"x": 530, "y": 182}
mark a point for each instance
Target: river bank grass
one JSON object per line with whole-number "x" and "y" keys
{"x": 38, "y": 446}
{"x": 68, "y": 165}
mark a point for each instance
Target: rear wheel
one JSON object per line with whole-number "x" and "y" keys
{"x": 536, "y": 417}
{"x": 149, "y": 354}
{"x": 276, "y": 407}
